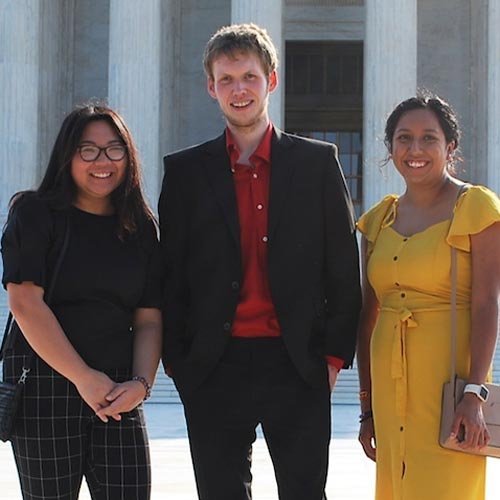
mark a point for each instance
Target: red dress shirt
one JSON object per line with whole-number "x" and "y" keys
{"x": 255, "y": 314}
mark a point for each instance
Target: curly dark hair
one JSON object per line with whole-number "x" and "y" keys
{"x": 58, "y": 186}
{"x": 445, "y": 114}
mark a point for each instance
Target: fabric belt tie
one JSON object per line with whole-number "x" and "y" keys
{"x": 398, "y": 358}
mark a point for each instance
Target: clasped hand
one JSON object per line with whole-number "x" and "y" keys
{"x": 108, "y": 398}
{"x": 469, "y": 417}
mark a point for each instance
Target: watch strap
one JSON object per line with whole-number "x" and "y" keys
{"x": 480, "y": 390}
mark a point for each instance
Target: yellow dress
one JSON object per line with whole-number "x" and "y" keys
{"x": 410, "y": 348}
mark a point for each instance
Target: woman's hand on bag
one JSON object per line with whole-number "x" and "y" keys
{"x": 123, "y": 398}
{"x": 469, "y": 416}
{"x": 93, "y": 387}
{"x": 367, "y": 438}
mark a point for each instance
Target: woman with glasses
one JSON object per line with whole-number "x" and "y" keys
{"x": 97, "y": 344}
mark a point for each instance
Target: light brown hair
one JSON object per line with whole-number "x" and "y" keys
{"x": 246, "y": 38}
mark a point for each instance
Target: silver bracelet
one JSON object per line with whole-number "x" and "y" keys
{"x": 145, "y": 383}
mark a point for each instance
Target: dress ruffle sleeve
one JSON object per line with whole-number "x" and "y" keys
{"x": 380, "y": 215}
{"x": 25, "y": 243}
{"x": 476, "y": 209}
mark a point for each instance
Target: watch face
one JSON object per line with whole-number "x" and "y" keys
{"x": 483, "y": 393}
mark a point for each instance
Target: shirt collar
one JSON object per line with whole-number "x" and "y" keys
{"x": 263, "y": 151}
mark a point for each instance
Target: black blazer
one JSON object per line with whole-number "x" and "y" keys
{"x": 312, "y": 252}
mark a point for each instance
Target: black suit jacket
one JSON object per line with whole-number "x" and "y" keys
{"x": 312, "y": 256}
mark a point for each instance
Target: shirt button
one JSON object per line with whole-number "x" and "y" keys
{"x": 255, "y": 176}
{"x": 227, "y": 326}
{"x": 403, "y": 295}
{"x": 235, "y": 285}
{"x": 397, "y": 284}
{"x": 264, "y": 239}
{"x": 260, "y": 207}
{"x": 405, "y": 239}
{"x": 233, "y": 170}
{"x": 395, "y": 257}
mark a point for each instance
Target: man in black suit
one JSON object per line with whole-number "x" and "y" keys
{"x": 262, "y": 282}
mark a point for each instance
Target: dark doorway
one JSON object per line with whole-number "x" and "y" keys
{"x": 324, "y": 100}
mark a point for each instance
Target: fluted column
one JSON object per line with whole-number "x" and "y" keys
{"x": 55, "y": 94}
{"x": 19, "y": 77}
{"x": 134, "y": 79}
{"x": 269, "y": 15}
{"x": 493, "y": 163}
{"x": 171, "y": 110}
{"x": 390, "y": 76}
{"x": 476, "y": 171}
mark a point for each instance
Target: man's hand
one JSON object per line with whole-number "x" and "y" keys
{"x": 332, "y": 376}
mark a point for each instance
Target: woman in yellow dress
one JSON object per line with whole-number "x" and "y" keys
{"x": 404, "y": 333}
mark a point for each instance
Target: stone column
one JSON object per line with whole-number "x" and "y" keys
{"x": 55, "y": 94}
{"x": 476, "y": 170}
{"x": 269, "y": 15}
{"x": 390, "y": 76}
{"x": 19, "y": 83}
{"x": 134, "y": 80}
{"x": 171, "y": 130}
{"x": 493, "y": 161}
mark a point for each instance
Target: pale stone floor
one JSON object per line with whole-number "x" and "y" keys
{"x": 351, "y": 474}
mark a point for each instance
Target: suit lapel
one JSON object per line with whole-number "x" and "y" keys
{"x": 221, "y": 180}
{"x": 282, "y": 168}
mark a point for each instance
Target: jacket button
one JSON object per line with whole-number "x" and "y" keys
{"x": 227, "y": 326}
{"x": 235, "y": 285}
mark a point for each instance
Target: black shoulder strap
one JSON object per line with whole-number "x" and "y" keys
{"x": 6, "y": 334}
{"x": 11, "y": 328}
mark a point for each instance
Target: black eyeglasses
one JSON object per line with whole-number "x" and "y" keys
{"x": 89, "y": 152}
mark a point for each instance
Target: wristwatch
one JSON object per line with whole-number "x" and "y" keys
{"x": 481, "y": 391}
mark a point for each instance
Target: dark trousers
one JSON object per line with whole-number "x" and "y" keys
{"x": 255, "y": 382}
{"x": 58, "y": 440}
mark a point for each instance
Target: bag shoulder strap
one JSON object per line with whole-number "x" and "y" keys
{"x": 453, "y": 301}
{"x": 5, "y": 335}
{"x": 10, "y": 332}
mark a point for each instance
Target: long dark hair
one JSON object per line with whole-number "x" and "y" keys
{"x": 58, "y": 187}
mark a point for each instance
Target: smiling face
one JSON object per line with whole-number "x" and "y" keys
{"x": 96, "y": 180}
{"x": 241, "y": 87}
{"x": 419, "y": 148}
